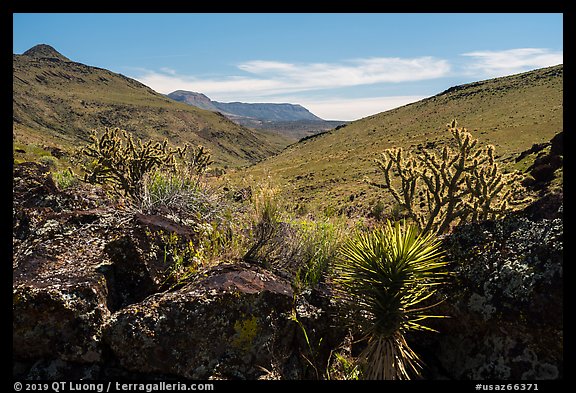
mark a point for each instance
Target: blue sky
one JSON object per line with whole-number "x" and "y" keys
{"x": 339, "y": 66}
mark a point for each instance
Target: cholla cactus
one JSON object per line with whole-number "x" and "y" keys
{"x": 461, "y": 185}
{"x": 121, "y": 161}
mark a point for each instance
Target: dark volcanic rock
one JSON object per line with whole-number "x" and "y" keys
{"x": 543, "y": 170}
{"x": 229, "y": 323}
{"x": 505, "y": 301}
{"x": 91, "y": 298}
{"x": 139, "y": 263}
{"x": 557, "y": 144}
{"x": 59, "y": 296}
{"x": 33, "y": 187}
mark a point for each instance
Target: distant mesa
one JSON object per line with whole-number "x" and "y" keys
{"x": 43, "y": 51}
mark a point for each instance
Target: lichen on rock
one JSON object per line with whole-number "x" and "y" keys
{"x": 505, "y": 299}
{"x": 246, "y": 331}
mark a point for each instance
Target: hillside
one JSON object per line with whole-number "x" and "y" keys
{"x": 58, "y": 102}
{"x": 327, "y": 171}
{"x": 290, "y": 120}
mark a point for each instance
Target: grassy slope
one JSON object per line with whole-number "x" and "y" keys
{"x": 58, "y": 103}
{"x": 327, "y": 171}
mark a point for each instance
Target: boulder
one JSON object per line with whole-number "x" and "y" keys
{"x": 59, "y": 296}
{"x": 233, "y": 322}
{"x": 61, "y": 290}
{"x": 505, "y": 300}
{"x": 90, "y": 299}
{"x": 557, "y": 143}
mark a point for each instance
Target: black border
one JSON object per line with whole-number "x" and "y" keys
{"x": 463, "y": 6}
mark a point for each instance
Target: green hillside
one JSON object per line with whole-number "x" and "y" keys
{"x": 327, "y": 171}
{"x": 57, "y": 102}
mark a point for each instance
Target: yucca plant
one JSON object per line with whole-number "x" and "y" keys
{"x": 389, "y": 276}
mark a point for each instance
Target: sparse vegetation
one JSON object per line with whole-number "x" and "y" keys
{"x": 181, "y": 259}
{"x": 265, "y": 222}
{"x": 310, "y": 221}
{"x": 319, "y": 242}
{"x": 325, "y": 170}
{"x": 121, "y": 160}
{"x": 64, "y": 179}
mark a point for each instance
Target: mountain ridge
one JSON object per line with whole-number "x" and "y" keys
{"x": 289, "y": 120}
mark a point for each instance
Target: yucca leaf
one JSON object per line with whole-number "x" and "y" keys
{"x": 389, "y": 275}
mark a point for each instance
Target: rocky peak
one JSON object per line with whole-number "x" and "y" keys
{"x": 195, "y": 99}
{"x": 43, "y": 51}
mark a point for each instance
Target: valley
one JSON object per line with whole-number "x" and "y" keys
{"x": 289, "y": 120}
{"x": 268, "y": 255}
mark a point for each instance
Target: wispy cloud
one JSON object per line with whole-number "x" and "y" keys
{"x": 354, "y": 108}
{"x": 350, "y": 73}
{"x": 262, "y": 78}
{"x": 511, "y": 61}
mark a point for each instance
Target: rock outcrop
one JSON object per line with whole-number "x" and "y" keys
{"x": 505, "y": 299}
{"x": 90, "y": 300}
{"x": 234, "y": 322}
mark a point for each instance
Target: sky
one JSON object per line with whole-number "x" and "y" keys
{"x": 339, "y": 66}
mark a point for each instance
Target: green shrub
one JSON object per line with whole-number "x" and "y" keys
{"x": 64, "y": 179}
{"x": 319, "y": 243}
{"x": 387, "y": 277}
{"x": 49, "y": 161}
{"x": 180, "y": 195}
{"x": 265, "y": 222}
{"x": 181, "y": 258}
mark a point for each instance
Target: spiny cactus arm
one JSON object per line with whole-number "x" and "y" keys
{"x": 409, "y": 171}
{"x": 433, "y": 182}
{"x": 462, "y": 162}
{"x": 385, "y": 164}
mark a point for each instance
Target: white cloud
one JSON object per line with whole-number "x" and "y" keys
{"x": 511, "y": 61}
{"x": 168, "y": 70}
{"x": 267, "y": 78}
{"x": 350, "y": 73}
{"x": 354, "y": 108}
